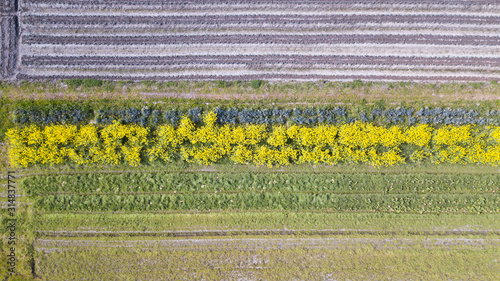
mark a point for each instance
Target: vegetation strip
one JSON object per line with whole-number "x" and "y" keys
{"x": 210, "y": 182}
{"x": 251, "y": 220}
{"x": 244, "y": 243}
{"x": 274, "y": 146}
{"x": 266, "y": 232}
{"x": 411, "y": 203}
{"x": 429, "y": 170}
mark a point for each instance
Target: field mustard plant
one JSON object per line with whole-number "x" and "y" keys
{"x": 258, "y": 144}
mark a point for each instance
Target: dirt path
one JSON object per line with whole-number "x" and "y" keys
{"x": 252, "y": 244}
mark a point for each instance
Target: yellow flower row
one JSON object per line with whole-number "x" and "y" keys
{"x": 258, "y": 144}
{"x": 88, "y": 145}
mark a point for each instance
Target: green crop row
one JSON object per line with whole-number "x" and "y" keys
{"x": 409, "y": 203}
{"x": 269, "y": 182}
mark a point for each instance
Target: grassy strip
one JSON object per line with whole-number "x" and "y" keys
{"x": 173, "y": 167}
{"x": 359, "y": 262}
{"x": 6, "y": 121}
{"x": 263, "y": 220}
{"x": 319, "y": 91}
{"x": 25, "y": 262}
{"x": 402, "y": 203}
{"x": 270, "y": 182}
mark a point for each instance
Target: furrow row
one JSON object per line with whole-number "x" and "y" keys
{"x": 256, "y": 60}
{"x": 38, "y": 20}
{"x": 408, "y": 50}
{"x": 271, "y": 77}
{"x": 8, "y": 6}
{"x": 264, "y": 39}
{"x": 8, "y": 46}
{"x": 204, "y": 30}
{"x": 228, "y": 69}
{"x": 342, "y": 3}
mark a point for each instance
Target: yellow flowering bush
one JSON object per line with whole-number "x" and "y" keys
{"x": 166, "y": 141}
{"x": 354, "y": 136}
{"x": 58, "y": 144}
{"x": 279, "y": 157}
{"x": 326, "y": 135}
{"x": 293, "y": 131}
{"x": 450, "y": 144}
{"x": 419, "y": 135}
{"x": 278, "y": 137}
{"x": 185, "y": 129}
{"x": 210, "y": 142}
{"x": 320, "y": 136}
{"x": 32, "y": 145}
{"x": 225, "y": 139}
{"x": 452, "y": 135}
{"x": 420, "y": 138}
{"x": 85, "y": 145}
{"x": 486, "y": 147}
{"x": 119, "y": 141}
{"x": 275, "y": 146}
{"x": 419, "y": 155}
{"x": 202, "y": 155}
{"x": 363, "y": 142}
{"x": 254, "y": 134}
{"x": 495, "y": 134}
{"x": 242, "y": 155}
{"x": 319, "y": 155}
{"x": 388, "y": 158}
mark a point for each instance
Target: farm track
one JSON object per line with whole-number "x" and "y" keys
{"x": 394, "y": 40}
